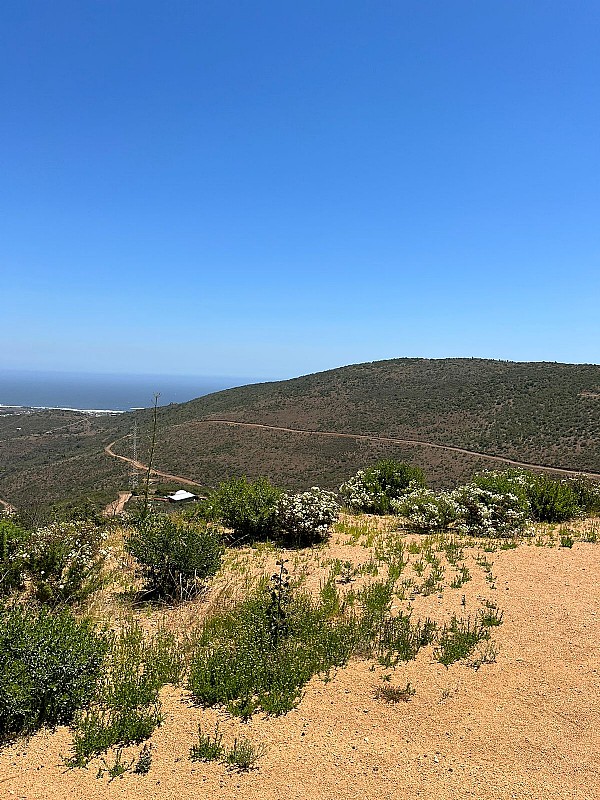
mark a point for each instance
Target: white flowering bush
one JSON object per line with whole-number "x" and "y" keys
{"x": 372, "y": 490}
{"x": 360, "y": 494}
{"x": 483, "y": 512}
{"x": 427, "y": 511}
{"x": 65, "y": 561}
{"x": 307, "y": 517}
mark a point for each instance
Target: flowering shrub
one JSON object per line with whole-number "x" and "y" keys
{"x": 426, "y": 510}
{"x": 482, "y": 512}
{"x": 373, "y": 489}
{"x": 306, "y": 517}
{"x": 65, "y": 561}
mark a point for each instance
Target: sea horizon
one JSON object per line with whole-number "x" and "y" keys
{"x": 96, "y": 391}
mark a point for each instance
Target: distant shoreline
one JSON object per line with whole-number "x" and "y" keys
{"x": 97, "y": 411}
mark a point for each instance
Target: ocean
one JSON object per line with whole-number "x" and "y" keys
{"x": 118, "y": 392}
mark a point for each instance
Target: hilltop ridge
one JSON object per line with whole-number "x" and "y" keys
{"x": 538, "y": 412}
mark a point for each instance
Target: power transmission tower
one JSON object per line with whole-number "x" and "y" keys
{"x": 134, "y": 472}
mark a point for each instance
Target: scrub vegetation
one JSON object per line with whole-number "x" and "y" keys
{"x": 88, "y": 630}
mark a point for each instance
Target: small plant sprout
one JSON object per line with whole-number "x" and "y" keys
{"x": 144, "y": 761}
{"x": 208, "y": 748}
{"x": 395, "y": 694}
{"x": 244, "y": 755}
{"x": 116, "y": 770}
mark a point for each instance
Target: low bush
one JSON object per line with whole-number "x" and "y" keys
{"x": 175, "y": 556}
{"x": 12, "y": 566}
{"x": 484, "y": 512}
{"x": 553, "y": 500}
{"x": 50, "y": 667}
{"x": 260, "y": 655}
{"x": 248, "y": 508}
{"x": 372, "y": 490}
{"x": 306, "y": 518}
{"x": 65, "y": 561}
{"x": 125, "y": 708}
{"x": 427, "y": 511}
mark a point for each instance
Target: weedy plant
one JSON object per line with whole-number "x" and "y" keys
{"x": 395, "y": 694}
{"x": 458, "y": 639}
{"x": 208, "y": 748}
{"x": 125, "y": 708}
{"x": 144, "y": 762}
{"x": 244, "y": 755}
{"x": 252, "y": 657}
{"x": 116, "y": 770}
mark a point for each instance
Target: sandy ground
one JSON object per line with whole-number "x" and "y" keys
{"x": 527, "y": 726}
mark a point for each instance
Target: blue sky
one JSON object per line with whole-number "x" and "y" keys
{"x": 275, "y": 188}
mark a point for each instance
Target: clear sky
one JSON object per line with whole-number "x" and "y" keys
{"x": 275, "y": 188}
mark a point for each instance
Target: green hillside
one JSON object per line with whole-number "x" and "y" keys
{"x": 543, "y": 413}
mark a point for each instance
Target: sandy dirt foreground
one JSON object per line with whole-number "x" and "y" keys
{"x": 527, "y": 726}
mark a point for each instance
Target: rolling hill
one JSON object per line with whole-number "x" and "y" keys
{"x": 542, "y": 413}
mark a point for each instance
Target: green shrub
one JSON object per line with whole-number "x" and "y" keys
{"x": 65, "y": 561}
{"x": 125, "y": 708}
{"x": 553, "y": 500}
{"x": 249, "y": 508}
{"x": 245, "y": 662}
{"x": 50, "y": 668}
{"x": 373, "y": 489}
{"x": 176, "y": 557}
{"x": 12, "y": 566}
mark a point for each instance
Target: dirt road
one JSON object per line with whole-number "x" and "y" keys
{"x": 116, "y": 506}
{"x": 357, "y": 436}
{"x": 143, "y": 467}
{"x": 7, "y": 506}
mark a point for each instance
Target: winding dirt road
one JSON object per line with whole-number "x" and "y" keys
{"x": 143, "y": 467}
{"x": 357, "y": 436}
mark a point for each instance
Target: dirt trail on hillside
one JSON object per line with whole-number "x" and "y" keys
{"x": 7, "y": 506}
{"x": 357, "y": 436}
{"x": 143, "y": 467}
{"x": 524, "y": 728}
{"x": 116, "y": 506}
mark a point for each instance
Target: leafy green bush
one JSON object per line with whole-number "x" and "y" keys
{"x": 50, "y": 667}
{"x": 249, "y": 508}
{"x": 553, "y": 500}
{"x": 176, "y": 557}
{"x": 587, "y": 492}
{"x": 65, "y": 561}
{"x": 125, "y": 708}
{"x": 251, "y": 658}
{"x": 12, "y": 567}
{"x": 306, "y": 517}
{"x": 373, "y": 489}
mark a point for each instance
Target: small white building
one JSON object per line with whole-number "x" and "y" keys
{"x": 181, "y": 496}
